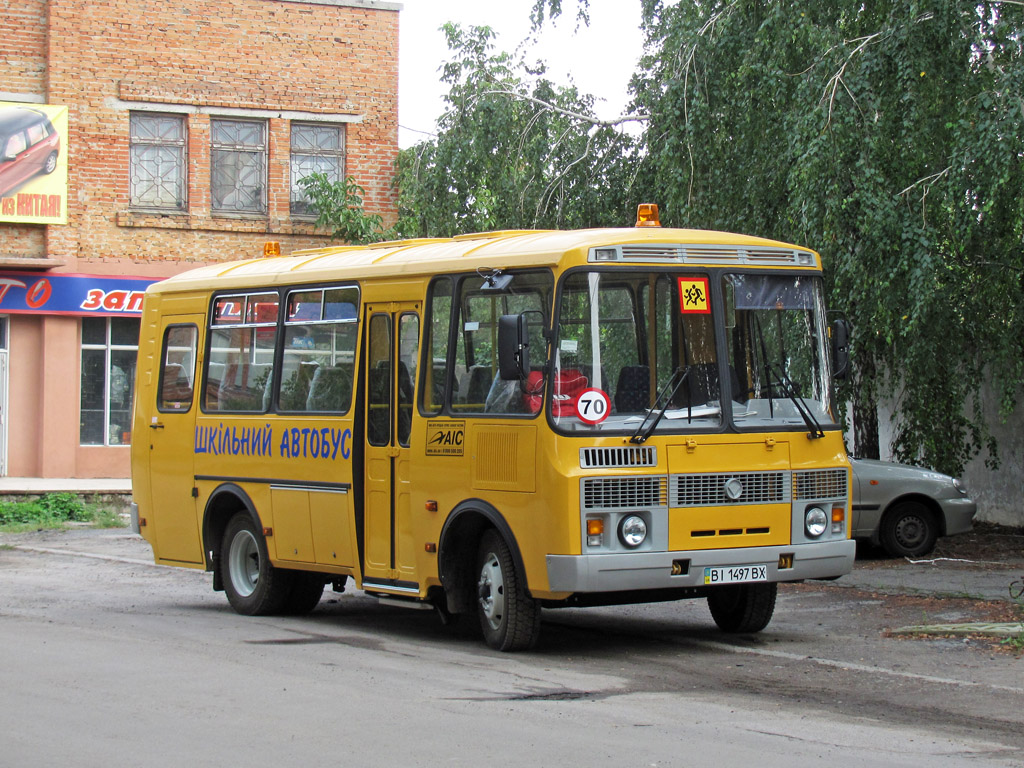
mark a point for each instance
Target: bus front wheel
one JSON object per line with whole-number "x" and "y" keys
{"x": 509, "y": 618}
{"x": 254, "y": 587}
{"x": 743, "y": 608}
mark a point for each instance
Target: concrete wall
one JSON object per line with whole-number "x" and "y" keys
{"x": 999, "y": 493}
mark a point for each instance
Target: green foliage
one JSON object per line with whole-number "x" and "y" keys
{"x": 890, "y": 136}
{"x": 339, "y": 207}
{"x": 48, "y": 511}
{"x": 513, "y": 151}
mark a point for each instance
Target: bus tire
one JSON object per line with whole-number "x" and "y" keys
{"x": 509, "y": 618}
{"x": 305, "y": 594}
{"x": 254, "y": 587}
{"x": 743, "y": 608}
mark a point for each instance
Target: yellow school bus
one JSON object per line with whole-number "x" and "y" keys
{"x": 497, "y": 423}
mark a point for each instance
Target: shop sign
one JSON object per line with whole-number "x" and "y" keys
{"x": 33, "y": 163}
{"x": 50, "y": 294}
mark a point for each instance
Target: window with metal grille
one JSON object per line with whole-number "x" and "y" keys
{"x": 238, "y": 166}
{"x": 315, "y": 148}
{"x": 157, "y": 165}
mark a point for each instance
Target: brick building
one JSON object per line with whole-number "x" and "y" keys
{"x": 181, "y": 130}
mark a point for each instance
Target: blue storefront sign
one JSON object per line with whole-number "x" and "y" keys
{"x": 59, "y": 294}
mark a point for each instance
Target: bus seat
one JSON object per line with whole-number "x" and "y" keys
{"x": 330, "y": 389}
{"x": 437, "y": 375}
{"x": 505, "y": 396}
{"x": 176, "y": 388}
{"x": 633, "y": 391}
{"x": 295, "y": 389}
{"x": 568, "y": 384}
{"x": 480, "y": 377}
{"x": 243, "y": 387}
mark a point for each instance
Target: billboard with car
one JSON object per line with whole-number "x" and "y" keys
{"x": 33, "y": 163}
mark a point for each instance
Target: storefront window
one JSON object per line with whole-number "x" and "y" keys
{"x": 109, "y": 349}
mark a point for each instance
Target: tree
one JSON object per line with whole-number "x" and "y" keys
{"x": 339, "y": 208}
{"x": 513, "y": 151}
{"x": 888, "y": 134}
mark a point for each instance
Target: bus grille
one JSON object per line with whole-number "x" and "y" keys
{"x": 624, "y": 492}
{"x": 820, "y": 484}
{"x": 710, "y": 490}
{"x": 618, "y": 457}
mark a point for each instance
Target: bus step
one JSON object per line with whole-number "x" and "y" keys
{"x": 400, "y": 602}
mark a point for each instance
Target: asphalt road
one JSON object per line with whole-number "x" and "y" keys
{"x": 109, "y": 660}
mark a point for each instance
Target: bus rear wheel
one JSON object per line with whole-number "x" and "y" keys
{"x": 743, "y": 608}
{"x": 254, "y": 587}
{"x": 509, "y": 618}
{"x": 305, "y": 594}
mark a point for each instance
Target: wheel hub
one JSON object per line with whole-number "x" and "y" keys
{"x": 491, "y": 591}
{"x": 910, "y": 532}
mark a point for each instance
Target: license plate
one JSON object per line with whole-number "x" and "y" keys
{"x": 736, "y": 574}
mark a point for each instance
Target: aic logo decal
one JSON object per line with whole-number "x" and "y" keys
{"x": 446, "y": 438}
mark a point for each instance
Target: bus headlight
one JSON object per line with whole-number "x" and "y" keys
{"x": 815, "y": 522}
{"x": 632, "y": 531}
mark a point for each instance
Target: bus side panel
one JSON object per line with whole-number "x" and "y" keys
{"x": 146, "y": 377}
{"x": 163, "y": 448}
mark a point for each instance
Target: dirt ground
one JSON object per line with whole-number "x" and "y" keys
{"x": 987, "y": 544}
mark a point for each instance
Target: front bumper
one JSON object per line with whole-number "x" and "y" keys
{"x": 959, "y": 514}
{"x": 654, "y": 570}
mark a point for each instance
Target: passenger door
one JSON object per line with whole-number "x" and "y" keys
{"x": 171, "y": 443}
{"x": 392, "y": 349}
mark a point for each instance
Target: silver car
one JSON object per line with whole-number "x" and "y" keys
{"x": 905, "y": 509}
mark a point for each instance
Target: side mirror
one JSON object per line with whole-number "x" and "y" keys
{"x": 513, "y": 347}
{"x": 840, "y": 348}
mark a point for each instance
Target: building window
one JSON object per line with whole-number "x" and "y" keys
{"x": 158, "y": 161}
{"x": 238, "y": 166}
{"x": 316, "y": 148}
{"x": 109, "y": 349}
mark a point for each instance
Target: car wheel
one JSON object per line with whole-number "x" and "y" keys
{"x": 509, "y": 618}
{"x": 908, "y": 530}
{"x": 51, "y": 163}
{"x": 254, "y": 587}
{"x": 743, "y": 608}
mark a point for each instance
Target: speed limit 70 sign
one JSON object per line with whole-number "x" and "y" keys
{"x": 593, "y": 406}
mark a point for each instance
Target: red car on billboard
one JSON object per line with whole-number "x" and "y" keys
{"x": 29, "y": 144}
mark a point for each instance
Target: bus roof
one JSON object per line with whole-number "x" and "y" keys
{"x": 495, "y": 250}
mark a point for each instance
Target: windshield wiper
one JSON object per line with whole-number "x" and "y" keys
{"x": 672, "y": 387}
{"x": 789, "y": 390}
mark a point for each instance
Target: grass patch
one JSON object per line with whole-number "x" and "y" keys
{"x": 54, "y": 510}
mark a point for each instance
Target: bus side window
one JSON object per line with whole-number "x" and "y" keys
{"x": 178, "y": 370}
{"x": 241, "y": 357}
{"x": 318, "y": 356}
{"x": 435, "y": 370}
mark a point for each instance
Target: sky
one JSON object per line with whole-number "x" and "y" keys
{"x": 599, "y": 59}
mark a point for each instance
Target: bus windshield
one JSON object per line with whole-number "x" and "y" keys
{"x": 652, "y": 343}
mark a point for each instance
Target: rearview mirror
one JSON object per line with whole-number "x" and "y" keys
{"x": 513, "y": 347}
{"x": 840, "y": 348}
